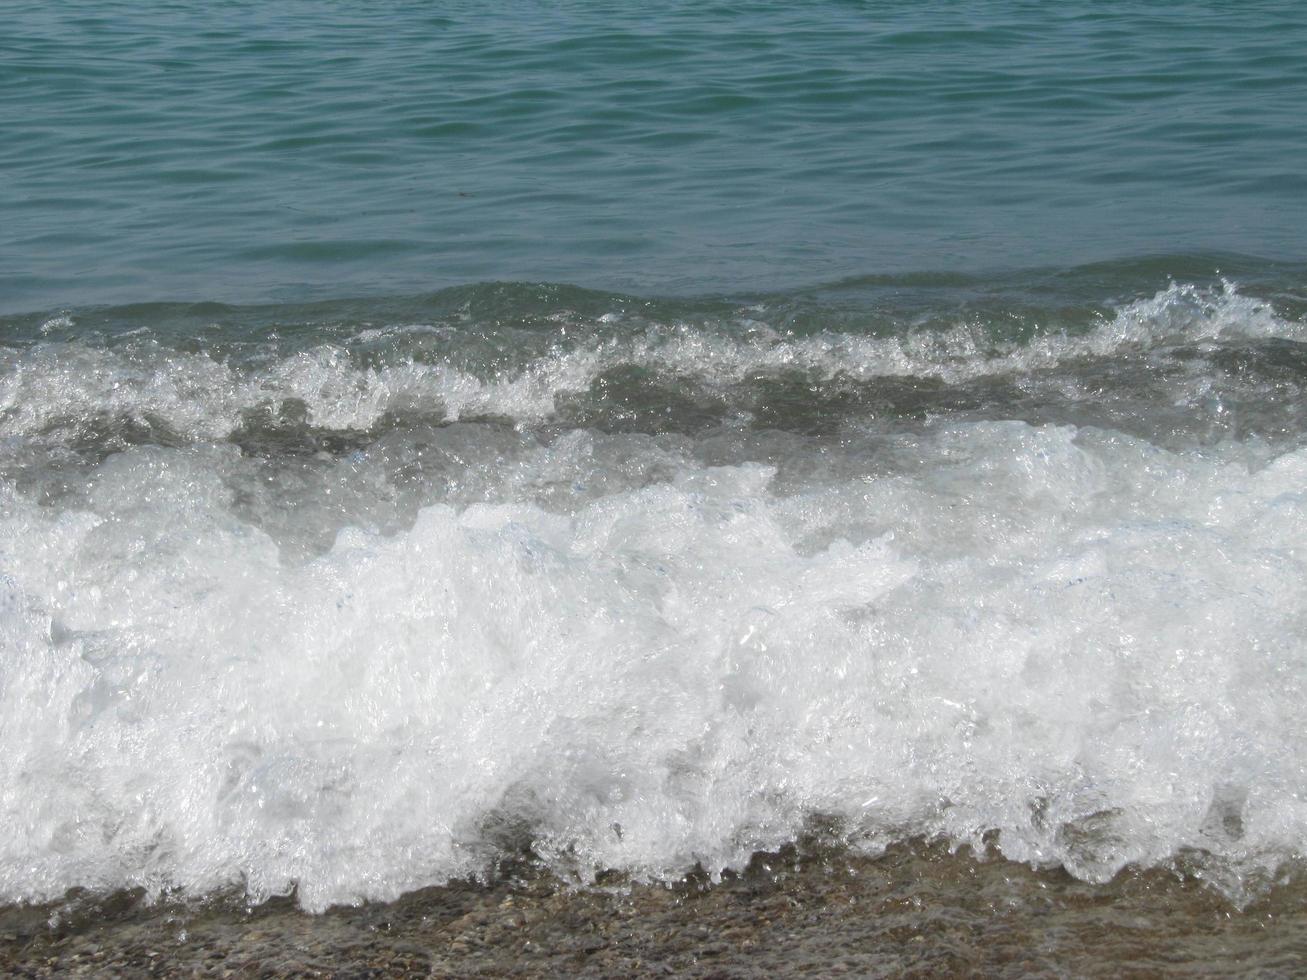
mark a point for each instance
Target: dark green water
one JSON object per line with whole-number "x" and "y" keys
{"x": 248, "y": 152}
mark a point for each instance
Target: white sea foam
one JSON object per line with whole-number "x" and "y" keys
{"x": 1088, "y": 645}
{"x": 356, "y": 673}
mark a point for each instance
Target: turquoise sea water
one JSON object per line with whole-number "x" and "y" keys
{"x": 249, "y": 152}
{"x": 634, "y": 436}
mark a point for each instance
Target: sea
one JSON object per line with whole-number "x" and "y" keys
{"x": 634, "y": 435}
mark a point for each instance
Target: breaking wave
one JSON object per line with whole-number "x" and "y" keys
{"x": 355, "y": 615}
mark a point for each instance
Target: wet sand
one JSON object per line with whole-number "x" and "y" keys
{"x": 916, "y": 912}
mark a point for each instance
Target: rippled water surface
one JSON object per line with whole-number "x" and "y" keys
{"x": 254, "y": 151}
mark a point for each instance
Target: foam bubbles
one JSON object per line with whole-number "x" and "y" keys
{"x": 364, "y": 668}
{"x": 1069, "y": 638}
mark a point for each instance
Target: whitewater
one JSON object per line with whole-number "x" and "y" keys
{"x": 350, "y": 604}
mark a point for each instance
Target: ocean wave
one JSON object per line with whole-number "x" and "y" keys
{"x": 354, "y": 382}
{"x": 1073, "y": 647}
{"x": 363, "y": 616}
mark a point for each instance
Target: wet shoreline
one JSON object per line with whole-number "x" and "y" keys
{"x": 916, "y": 911}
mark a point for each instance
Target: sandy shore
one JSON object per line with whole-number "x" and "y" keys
{"x": 918, "y": 911}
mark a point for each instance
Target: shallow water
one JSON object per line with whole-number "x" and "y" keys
{"x": 916, "y": 912}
